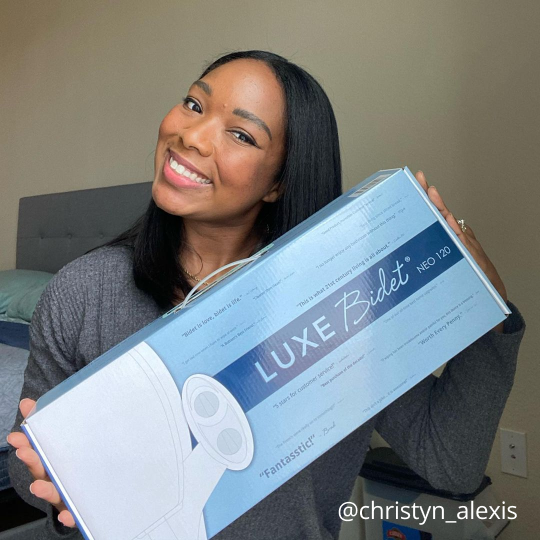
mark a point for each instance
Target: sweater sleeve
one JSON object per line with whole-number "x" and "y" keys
{"x": 53, "y": 344}
{"x": 444, "y": 428}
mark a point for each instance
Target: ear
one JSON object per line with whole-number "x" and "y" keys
{"x": 274, "y": 194}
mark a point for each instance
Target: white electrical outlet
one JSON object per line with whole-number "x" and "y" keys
{"x": 513, "y": 453}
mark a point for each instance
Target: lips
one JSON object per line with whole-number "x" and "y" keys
{"x": 181, "y": 173}
{"x": 187, "y": 165}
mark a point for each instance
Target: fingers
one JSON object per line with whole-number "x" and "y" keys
{"x": 467, "y": 237}
{"x": 66, "y": 518}
{"x": 432, "y": 193}
{"x": 469, "y": 231}
{"x": 452, "y": 221}
{"x": 42, "y": 487}
{"x": 25, "y": 406}
{"x": 30, "y": 458}
{"x": 18, "y": 440}
{"x": 25, "y": 452}
{"x": 420, "y": 176}
{"x": 456, "y": 227}
{"x": 45, "y": 490}
{"x": 437, "y": 200}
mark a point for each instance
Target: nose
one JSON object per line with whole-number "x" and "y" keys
{"x": 199, "y": 135}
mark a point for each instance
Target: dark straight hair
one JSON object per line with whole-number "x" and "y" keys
{"x": 310, "y": 178}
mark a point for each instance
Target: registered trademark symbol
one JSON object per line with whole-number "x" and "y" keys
{"x": 407, "y": 259}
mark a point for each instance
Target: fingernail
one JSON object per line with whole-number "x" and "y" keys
{"x": 30, "y": 487}
{"x": 60, "y": 520}
{"x": 17, "y": 453}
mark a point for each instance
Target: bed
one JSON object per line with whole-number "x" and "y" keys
{"x": 53, "y": 230}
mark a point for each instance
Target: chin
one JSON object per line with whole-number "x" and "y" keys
{"x": 172, "y": 201}
{"x": 165, "y": 198}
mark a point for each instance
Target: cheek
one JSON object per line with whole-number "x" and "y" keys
{"x": 168, "y": 128}
{"x": 236, "y": 170}
{"x": 248, "y": 176}
{"x": 170, "y": 125}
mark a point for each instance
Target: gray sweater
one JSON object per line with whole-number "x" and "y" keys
{"x": 443, "y": 428}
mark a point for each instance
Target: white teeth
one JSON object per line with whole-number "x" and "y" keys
{"x": 180, "y": 169}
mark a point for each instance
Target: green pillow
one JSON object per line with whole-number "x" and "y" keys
{"x": 16, "y": 283}
{"x": 23, "y": 305}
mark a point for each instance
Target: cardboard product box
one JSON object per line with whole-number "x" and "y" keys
{"x": 184, "y": 426}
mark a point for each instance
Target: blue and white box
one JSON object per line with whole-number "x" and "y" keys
{"x": 184, "y": 426}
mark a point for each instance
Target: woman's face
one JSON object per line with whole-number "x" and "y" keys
{"x": 219, "y": 151}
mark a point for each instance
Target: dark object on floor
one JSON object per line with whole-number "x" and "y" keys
{"x": 384, "y": 465}
{"x": 15, "y": 511}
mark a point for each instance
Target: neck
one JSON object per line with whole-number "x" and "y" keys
{"x": 210, "y": 247}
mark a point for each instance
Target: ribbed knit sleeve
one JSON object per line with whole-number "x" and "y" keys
{"x": 444, "y": 428}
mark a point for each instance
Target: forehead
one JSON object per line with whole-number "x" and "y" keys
{"x": 248, "y": 84}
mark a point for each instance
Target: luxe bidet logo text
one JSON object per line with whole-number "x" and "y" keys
{"x": 336, "y": 318}
{"x": 354, "y": 310}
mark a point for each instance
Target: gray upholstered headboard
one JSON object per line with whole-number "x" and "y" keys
{"x": 57, "y": 228}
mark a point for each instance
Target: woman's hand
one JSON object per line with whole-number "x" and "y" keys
{"x": 42, "y": 486}
{"x": 467, "y": 238}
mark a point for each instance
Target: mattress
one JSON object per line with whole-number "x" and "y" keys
{"x": 14, "y": 333}
{"x": 13, "y": 360}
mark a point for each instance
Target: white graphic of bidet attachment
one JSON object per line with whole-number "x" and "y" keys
{"x": 224, "y": 438}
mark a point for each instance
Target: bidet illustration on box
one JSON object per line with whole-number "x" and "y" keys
{"x": 165, "y": 417}
{"x": 180, "y": 429}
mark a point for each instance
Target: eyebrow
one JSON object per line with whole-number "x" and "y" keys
{"x": 204, "y": 87}
{"x": 242, "y": 113}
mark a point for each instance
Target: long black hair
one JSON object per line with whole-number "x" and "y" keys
{"x": 310, "y": 178}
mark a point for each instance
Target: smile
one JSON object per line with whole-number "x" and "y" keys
{"x": 186, "y": 173}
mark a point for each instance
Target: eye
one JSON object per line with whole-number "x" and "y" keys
{"x": 243, "y": 137}
{"x": 192, "y": 105}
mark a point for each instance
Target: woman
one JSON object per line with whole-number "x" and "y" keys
{"x": 251, "y": 152}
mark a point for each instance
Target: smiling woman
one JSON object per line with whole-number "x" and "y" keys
{"x": 229, "y": 149}
{"x": 251, "y": 152}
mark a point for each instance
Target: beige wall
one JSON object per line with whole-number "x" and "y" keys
{"x": 450, "y": 87}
